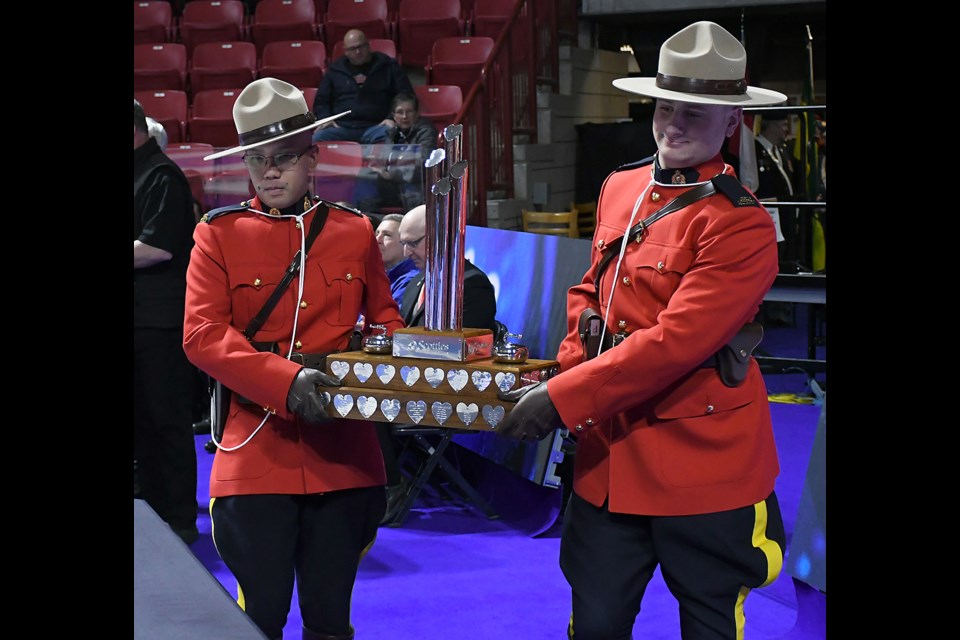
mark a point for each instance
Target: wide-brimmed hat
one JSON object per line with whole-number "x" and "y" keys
{"x": 705, "y": 64}
{"x": 268, "y": 110}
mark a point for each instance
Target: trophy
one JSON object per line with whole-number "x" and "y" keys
{"x": 441, "y": 374}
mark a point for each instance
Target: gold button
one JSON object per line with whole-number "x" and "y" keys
{"x": 743, "y": 353}
{"x": 299, "y": 345}
{"x": 600, "y": 244}
{"x": 303, "y": 304}
{"x": 660, "y": 266}
{"x": 622, "y": 324}
{"x": 709, "y": 408}
{"x": 655, "y": 196}
{"x": 298, "y": 225}
{"x": 274, "y": 211}
{"x": 626, "y": 280}
{"x": 579, "y": 427}
{"x": 256, "y": 282}
{"x": 589, "y": 422}
{"x": 349, "y": 277}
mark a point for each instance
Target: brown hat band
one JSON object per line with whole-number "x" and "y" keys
{"x": 277, "y": 129}
{"x": 697, "y": 85}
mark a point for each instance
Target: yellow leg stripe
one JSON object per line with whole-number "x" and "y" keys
{"x": 213, "y": 536}
{"x": 770, "y": 548}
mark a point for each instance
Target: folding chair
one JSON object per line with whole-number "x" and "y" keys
{"x": 299, "y": 62}
{"x": 458, "y": 61}
{"x": 222, "y": 65}
{"x": 553, "y": 223}
{"x": 212, "y": 21}
{"x": 153, "y": 22}
{"x": 370, "y": 16}
{"x": 159, "y": 65}
{"x": 421, "y": 22}
{"x": 169, "y": 108}
{"x": 439, "y": 103}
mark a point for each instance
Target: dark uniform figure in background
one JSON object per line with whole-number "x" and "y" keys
{"x": 676, "y": 461}
{"x": 296, "y": 492}
{"x": 776, "y": 175}
{"x": 163, "y": 378}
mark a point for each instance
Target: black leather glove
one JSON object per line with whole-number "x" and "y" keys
{"x": 534, "y": 416}
{"x": 306, "y": 400}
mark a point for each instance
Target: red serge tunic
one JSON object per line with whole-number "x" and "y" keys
{"x": 237, "y": 262}
{"x": 656, "y": 433}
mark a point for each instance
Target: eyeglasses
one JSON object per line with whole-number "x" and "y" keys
{"x": 412, "y": 244}
{"x": 356, "y": 47}
{"x": 283, "y": 161}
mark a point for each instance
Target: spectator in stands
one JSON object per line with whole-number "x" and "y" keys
{"x": 296, "y": 491}
{"x": 400, "y": 268}
{"x": 163, "y": 379}
{"x": 364, "y": 82}
{"x": 395, "y": 177}
{"x": 776, "y": 173}
{"x": 676, "y": 460}
{"x": 479, "y": 312}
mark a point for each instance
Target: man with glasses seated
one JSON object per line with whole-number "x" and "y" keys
{"x": 296, "y": 492}
{"x": 479, "y": 312}
{"x": 394, "y": 177}
{"x": 363, "y": 82}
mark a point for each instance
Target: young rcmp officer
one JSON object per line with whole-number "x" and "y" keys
{"x": 676, "y": 460}
{"x": 294, "y": 491}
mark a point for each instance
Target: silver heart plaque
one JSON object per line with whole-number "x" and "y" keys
{"x": 433, "y": 376}
{"x": 416, "y": 410}
{"x": 343, "y": 402}
{"x": 467, "y": 412}
{"x": 366, "y": 405}
{"x": 410, "y": 375}
{"x": 493, "y": 415}
{"x": 505, "y": 380}
{"x": 390, "y": 407}
{"x": 441, "y": 411}
{"x": 385, "y": 372}
{"x": 481, "y": 379}
{"x": 457, "y": 378}
{"x": 339, "y": 368}
{"x": 363, "y": 371}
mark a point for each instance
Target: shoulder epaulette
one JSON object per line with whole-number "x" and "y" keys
{"x": 735, "y": 192}
{"x": 334, "y": 205}
{"x": 634, "y": 165}
{"x": 233, "y": 208}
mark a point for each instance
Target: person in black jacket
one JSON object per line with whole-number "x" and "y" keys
{"x": 163, "y": 379}
{"x": 361, "y": 81}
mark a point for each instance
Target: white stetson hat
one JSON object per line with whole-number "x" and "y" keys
{"x": 267, "y": 110}
{"x": 705, "y": 64}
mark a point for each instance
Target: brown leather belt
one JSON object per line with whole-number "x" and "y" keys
{"x": 311, "y": 360}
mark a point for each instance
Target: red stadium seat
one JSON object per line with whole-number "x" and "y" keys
{"x": 212, "y": 21}
{"x": 421, "y": 22}
{"x": 299, "y": 62}
{"x": 338, "y": 164}
{"x": 370, "y": 16}
{"x": 275, "y": 20}
{"x": 189, "y": 157}
{"x": 309, "y": 94}
{"x": 222, "y": 65}
{"x": 153, "y": 22}
{"x": 491, "y": 16}
{"x": 383, "y": 45}
{"x": 211, "y": 117}
{"x": 439, "y": 103}
{"x": 159, "y": 66}
{"x": 169, "y": 107}
{"x": 458, "y": 61}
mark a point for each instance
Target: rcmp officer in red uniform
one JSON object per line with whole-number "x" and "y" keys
{"x": 676, "y": 461}
{"x": 294, "y": 491}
